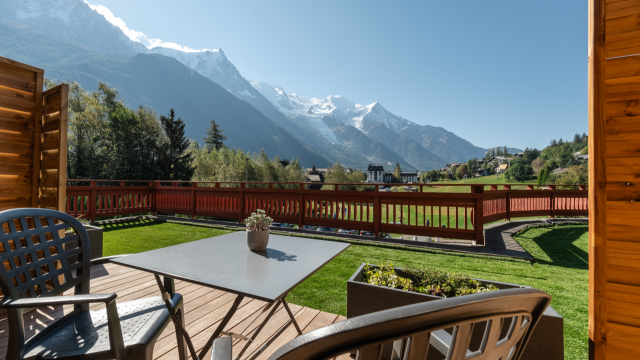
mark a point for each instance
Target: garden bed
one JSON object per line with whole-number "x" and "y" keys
{"x": 547, "y": 341}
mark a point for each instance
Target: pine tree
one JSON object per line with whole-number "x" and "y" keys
{"x": 576, "y": 139}
{"x": 584, "y": 137}
{"x": 177, "y": 162}
{"x": 506, "y": 153}
{"x": 397, "y": 173}
{"x": 214, "y": 139}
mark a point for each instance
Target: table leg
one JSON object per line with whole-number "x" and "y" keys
{"x": 255, "y": 334}
{"x": 178, "y": 319}
{"x": 221, "y": 327}
{"x": 293, "y": 319}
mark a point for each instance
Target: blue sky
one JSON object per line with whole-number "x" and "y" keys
{"x": 494, "y": 72}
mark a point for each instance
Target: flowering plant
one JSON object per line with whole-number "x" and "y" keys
{"x": 258, "y": 221}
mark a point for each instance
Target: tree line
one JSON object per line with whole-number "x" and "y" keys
{"x": 108, "y": 141}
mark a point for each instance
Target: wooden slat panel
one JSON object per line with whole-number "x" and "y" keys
{"x": 11, "y": 147}
{"x": 20, "y": 65}
{"x": 623, "y": 44}
{"x": 18, "y": 95}
{"x": 623, "y": 67}
{"x": 620, "y": 89}
{"x": 22, "y": 137}
{"x": 623, "y": 24}
{"x": 17, "y": 126}
{"x": 623, "y": 269}
{"x": 16, "y": 104}
{"x": 12, "y": 203}
{"x": 51, "y": 108}
{"x": 18, "y": 84}
{"x": 622, "y": 8}
{"x": 51, "y": 126}
{"x": 15, "y": 169}
{"x": 623, "y": 341}
{"x": 624, "y": 247}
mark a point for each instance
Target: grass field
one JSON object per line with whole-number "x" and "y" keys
{"x": 560, "y": 269}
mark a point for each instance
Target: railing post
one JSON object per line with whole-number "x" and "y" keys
{"x": 552, "y": 201}
{"x": 494, "y": 187}
{"x": 508, "y": 200}
{"x": 93, "y": 201}
{"x": 193, "y": 200}
{"x": 241, "y": 207}
{"x": 376, "y": 212}
{"x": 153, "y": 198}
{"x": 300, "y": 207}
{"x": 337, "y": 187}
{"x": 529, "y": 187}
{"x": 478, "y": 214}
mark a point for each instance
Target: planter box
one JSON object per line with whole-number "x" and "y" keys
{"x": 96, "y": 239}
{"x": 547, "y": 340}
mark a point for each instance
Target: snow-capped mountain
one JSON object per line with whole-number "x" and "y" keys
{"x": 314, "y": 111}
{"x": 73, "y": 19}
{"x": 334, "y": 118}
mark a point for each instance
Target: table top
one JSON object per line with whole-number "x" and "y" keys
{"x": 226, "y": 263}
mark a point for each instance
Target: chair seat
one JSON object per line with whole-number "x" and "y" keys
{"x": 88, "y": 332}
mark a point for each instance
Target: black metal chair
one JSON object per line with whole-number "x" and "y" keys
{"x": 486, "y": 326}
{"x": 40, "y": 262}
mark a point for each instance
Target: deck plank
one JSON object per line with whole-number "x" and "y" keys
{"x": 204, "y": 309}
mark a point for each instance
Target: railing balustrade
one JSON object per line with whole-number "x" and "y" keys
{"x": 422, "y": 213}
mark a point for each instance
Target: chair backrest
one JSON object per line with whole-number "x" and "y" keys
{"x": 38, "y": 258}
{"x": 493, "y": 325}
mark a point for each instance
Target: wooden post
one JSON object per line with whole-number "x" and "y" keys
{"x": 552, "y": 201}
{"x": 377, "y": 209}
{"x": 152, "y": 198}
{"x": 478, "y": 215}
{"x": 93, "y": 200}
{"x": 37, "y": 142}
{"x": 193, "y": 201}
{"x": 530, "y": 187}
{"x": 241, "y": 207}
{"x": 337, "y": 187}
{"x": 300, "y": 201}
{"x": 494, "y": 187}
{"x": 597, "y": 183}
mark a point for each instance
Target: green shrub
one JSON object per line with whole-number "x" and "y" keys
{"x": 428, "y": 281}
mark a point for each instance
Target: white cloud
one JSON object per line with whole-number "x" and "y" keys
{"x": 138, "y": 36}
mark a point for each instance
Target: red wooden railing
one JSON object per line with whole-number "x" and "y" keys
{"x": 449, "y": 215}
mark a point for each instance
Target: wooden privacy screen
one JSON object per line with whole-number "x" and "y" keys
{"x": 33, "y": 139}
{"x": 614, "y": 179}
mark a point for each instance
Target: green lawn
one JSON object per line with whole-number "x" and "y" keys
{"x": 147, "y": 235}
{"x": 560, "y": 269}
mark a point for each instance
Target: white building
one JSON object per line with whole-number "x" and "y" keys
{"x": 376, "y": 173}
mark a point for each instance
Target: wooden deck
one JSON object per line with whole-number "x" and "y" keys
{"x": 204, "y": 309}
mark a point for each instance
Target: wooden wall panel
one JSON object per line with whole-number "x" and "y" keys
{"x": 614, "y": 268}
{"x": 18, "y": 96}
{"x": 33, "y": 139}
{"x": 53, "y": 159}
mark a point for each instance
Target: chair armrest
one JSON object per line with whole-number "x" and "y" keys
{"x": 105, "y": 259}
{"x": 222, "y": 348}
{"x": 59, "y": 300}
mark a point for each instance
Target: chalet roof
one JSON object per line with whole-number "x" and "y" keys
{"x": 315, "y": 177}
{"x": 503, "y": 167}
{"x": 374, "y": 167}
{"x": 559, "y": 170}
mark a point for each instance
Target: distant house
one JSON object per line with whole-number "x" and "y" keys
{"x": 316, "y": 177}
{"x": 320, "y": 170}
{"x": 559, "y": 170}
{"x": 480, "y": 172}
{"x": 519, "y": 155}
{"x": 502, "y": 168}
